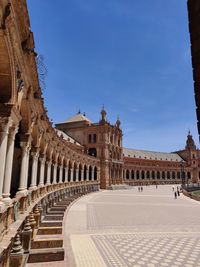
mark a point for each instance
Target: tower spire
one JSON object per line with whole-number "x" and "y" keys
{"x": 103, "y": 115}
{"x": 118, "y": 122}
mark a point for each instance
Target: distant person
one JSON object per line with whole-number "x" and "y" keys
{"x": 172, "y": 188}
{"x": 156, "y": 186}
{"x": 139, "y": 188}
{"x": 175, "y": 195}
{"x": 178, "y": 193}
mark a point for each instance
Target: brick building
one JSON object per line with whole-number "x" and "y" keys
{"x": 123, "y": 165}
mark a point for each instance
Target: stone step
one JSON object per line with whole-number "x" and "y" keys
{"x": 56, "y": 212}
{"x": 58, "y": 208}
{"x": 55, "y": 217}
{"x": 46, "y": 255}
{"x": 50, "y": 223}
{"x": 47, "y": 241}
{"x": 49, "y": 230}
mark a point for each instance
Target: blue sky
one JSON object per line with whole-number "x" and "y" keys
{"x": 132, "y": 56}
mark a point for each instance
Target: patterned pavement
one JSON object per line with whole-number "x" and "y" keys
{"x": 127, "y": 228}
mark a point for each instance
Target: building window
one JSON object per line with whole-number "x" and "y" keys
{"x": 94, "y": 138}
{"x": 92, "y": 152}
{"x": 90, "y": 138}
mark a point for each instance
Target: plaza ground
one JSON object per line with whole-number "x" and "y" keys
{"x": 130, "y": 228}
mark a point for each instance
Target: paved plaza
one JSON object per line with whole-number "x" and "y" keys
{"x": 130, "y": 228}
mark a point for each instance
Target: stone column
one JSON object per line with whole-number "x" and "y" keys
{"x": 98, "y": 175}
{"x": 60, "y": 173}
{"x": 34, "y": 170}
{"x": 54, "y": 173}
{"x": 87, "y": 175}
{"x": 3, "y": 148}
{"x": 71, "y": 174}
{"x": 42, "y": 166}
{"x": 49, "y": 173}
{"x": 92, "y": 176}
{"x": 66, "y": 174}
{"x": 8, "y": 166}
{"x": 24, "y": 169}
{"x": 82, "y": 175}
{"x": 77, "y": 174}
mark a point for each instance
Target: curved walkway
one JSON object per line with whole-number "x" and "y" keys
{"x": 127, "y": 228}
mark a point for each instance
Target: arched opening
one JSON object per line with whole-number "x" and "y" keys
{"x": 69, "y": 170}
{"x": 158, "y": 175}
{"x": 143, "y": 175}
{"x": 132, "y": 174}
{"x": 79, "y": 172}
{"x": 163, "y": 175}
{"x": 168, "y": 175}
{"x": 127, "y": 174}
{"x": 90, "y": 173}
{"x": 74, "y": 172}
{"x": 45, "y": 172}
{"x": 85, "y": 173}
{"x": 16, "y": 166}
{"x": 51, "y": 178}
{"x": 153, "y": 174}
{"x": 137, "y": 175}
{"x": 148, "y": 175}
{"x": 95, "y": 173}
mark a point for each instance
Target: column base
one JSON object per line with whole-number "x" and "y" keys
{"x": 33, "y": 188}
{"x": 8, "y": 201}
{"x": 22, "y": 193}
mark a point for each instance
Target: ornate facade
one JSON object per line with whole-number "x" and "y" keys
{"x": 42, "y": 168}
{"x": 122, "y": 165}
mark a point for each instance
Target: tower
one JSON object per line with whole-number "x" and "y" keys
{"x": 192, "y": 157}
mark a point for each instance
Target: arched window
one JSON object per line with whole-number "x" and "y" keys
{"x": 158, "y": 175}
{"x": 92, "y": 152}
{"x": 132, "y": 174}
{"x": 173, "y": 175}
{"x": 168, "y": 175}
{"x": 163, "y": 175}
{"x": 178, "y": 175}
{"x": 127, "y": 174}
{"x": 142, "y": 175}
{"x": 85, "y": 172}
{"x": 138, "y": 175}
{"x": 95, "y": 173}
{"x": 148, "y": 175}
{"x": 153, "y": 175}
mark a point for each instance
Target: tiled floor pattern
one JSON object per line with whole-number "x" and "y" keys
{"x": 151, "y": 250}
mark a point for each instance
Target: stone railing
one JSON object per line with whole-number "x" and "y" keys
{"x": 15, "y": 229}
{"x": 190, "y": 195}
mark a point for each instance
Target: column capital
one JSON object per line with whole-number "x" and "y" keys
{"x": 42, "y": 159}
